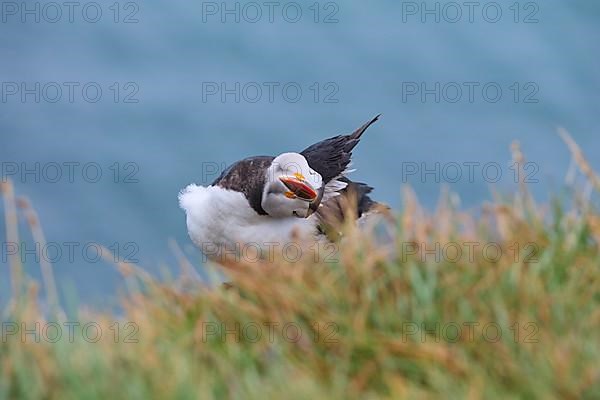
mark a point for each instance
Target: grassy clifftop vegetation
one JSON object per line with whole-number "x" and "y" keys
{"x": 502, "y": 305}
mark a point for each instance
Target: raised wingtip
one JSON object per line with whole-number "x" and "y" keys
{"x": 358, "y": 133}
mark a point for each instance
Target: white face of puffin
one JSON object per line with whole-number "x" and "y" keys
{"x": 291, "y": 187}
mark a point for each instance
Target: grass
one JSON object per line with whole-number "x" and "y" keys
{"x": 368, "y": 320}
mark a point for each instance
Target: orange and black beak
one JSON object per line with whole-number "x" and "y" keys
{"x": 299, "y": 188}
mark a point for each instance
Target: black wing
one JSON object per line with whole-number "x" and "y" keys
{"x": 331, "y": 156}
{"x": 247, "y": 176}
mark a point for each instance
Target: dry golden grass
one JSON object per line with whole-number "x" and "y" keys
{"x": 368, "y": 320}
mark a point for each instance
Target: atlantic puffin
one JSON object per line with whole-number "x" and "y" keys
{"x": 264, "y": 200}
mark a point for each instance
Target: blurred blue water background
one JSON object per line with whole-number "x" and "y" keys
{"x": 365, "y": 62}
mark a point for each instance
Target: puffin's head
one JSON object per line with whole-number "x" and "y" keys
{"x": 292, "y": 188}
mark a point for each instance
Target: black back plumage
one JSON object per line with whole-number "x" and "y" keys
{"x": 247, "y": 176}
{"x": 331, "y": 157}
